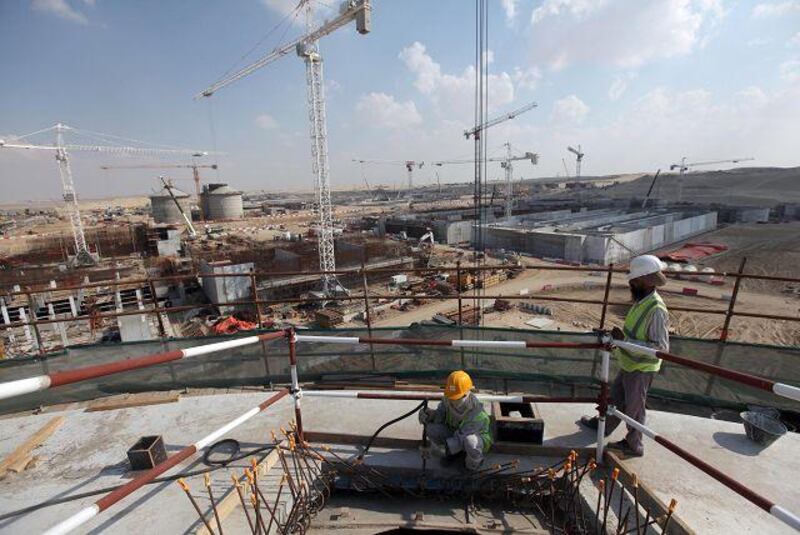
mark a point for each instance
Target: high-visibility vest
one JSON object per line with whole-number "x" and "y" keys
{"x": 478, "y": 417}
{"x": 637, "y": 323}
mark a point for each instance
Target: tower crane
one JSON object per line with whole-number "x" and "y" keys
{"x": 683, "y": 166}
{"x": 506, "y": 164}
{"x": 578, "y": 159}
{"x": 476, "y": 131}
{"x": 410, "y": 165}
{"x": 61, "y": 150}
{"x": 307, "y": 48}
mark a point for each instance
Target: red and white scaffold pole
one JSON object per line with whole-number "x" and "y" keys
{"x": 295, "y": 389}
{"x": 779, "y": 512}
{"x": 431, "y": 396}
{"x": 496, "y": 344}
{"x": 780, "y": 389}
{"x": 87, "y": 513}
{"x": 602, "y": 406}
{"x": 43, "y": 382}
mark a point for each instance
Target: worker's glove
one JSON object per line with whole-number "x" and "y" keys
{"x": 617, "y": 334}
{"x": 425, "y": 416}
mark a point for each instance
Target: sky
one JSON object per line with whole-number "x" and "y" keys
{"x": 637, "y": 83}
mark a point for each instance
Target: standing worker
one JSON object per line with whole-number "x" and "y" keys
{"x": 459, "y": 424}
{"x": 647, "y": 323}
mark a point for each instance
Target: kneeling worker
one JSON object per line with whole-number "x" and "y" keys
{"x": 459, "y": 423}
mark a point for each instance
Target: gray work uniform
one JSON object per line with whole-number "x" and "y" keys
{"x": 467, "y": 430}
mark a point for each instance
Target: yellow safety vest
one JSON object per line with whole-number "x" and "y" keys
{"x": 637, "y": 322}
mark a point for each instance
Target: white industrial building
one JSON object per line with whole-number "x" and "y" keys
{"x": 596, "y": 236}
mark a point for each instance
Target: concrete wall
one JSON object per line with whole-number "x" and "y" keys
{"x": 226, "y": 289}
{"x": 600, "y": 247}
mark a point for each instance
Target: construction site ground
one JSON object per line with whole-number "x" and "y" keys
{"x": 88, "y": 452}
{"x": 754, "y": 296}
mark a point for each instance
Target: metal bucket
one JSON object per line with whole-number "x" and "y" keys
{"x": 762, "y": 428}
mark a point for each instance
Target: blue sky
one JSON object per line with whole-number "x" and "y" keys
{"x": 638, "y": 83}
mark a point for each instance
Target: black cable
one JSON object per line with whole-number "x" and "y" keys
{"x": 214, "y": 465}
{"x": 387, "y": 424}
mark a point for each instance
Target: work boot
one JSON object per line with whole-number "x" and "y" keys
{"x": 591, "y": 423}
{"x": 623, "y": 447}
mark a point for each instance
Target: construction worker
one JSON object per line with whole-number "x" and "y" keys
{"x": 647, "y": 323}
{"x": 459, "y": 424}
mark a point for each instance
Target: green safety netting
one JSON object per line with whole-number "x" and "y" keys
{"x": 536, "y": 371}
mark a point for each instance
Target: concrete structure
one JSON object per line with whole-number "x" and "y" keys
{"x": 164, "y": 209}
{"x": 596, "y": 236}
{"x": 744, "y": 214}
{"x": 221, "y": 202}
{"x": 449, "y": 226}
{"x": 80, "y": 452}
{"x": 226, "y": 289}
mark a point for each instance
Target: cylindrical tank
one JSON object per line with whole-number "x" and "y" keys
{"x": 691, "y": 273}
{"x": 708, "y": 274}
{"x": 220, "y": 201}
{"x": 677, "y": 268}
{"x": 164, "y": 209}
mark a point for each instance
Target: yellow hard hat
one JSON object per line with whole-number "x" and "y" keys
{"x": 459, "y": 383}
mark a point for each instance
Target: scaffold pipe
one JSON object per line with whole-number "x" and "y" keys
{"x": 780, "y": 389}
{"x": 603, "y": 404}
{"x": 497, "y": 344}
{"x": 431, "y": 396}
{"x": 87, "y": 513}
{"x": 779, "y": 512}
{"x": 43, "y": 382}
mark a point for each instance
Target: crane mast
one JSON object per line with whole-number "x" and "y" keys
{"x": 82, "y": 255}
{"x": 307, "y": 48}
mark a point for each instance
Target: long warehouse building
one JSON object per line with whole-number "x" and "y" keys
{"x": 596, "y": 236}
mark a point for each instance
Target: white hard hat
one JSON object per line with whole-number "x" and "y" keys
{"x": 644, "y": 265}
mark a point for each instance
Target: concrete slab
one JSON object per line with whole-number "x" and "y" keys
{"x": 88, "y": 453}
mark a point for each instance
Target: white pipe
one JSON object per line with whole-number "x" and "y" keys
{"x": 208, "y": 439}
{"x": 785, "y": 516}
{"x": 636, "y": 348}
{"x": 351, "y": 340}
{"x": 488, "y": 343}
{"x": 787, "y": 391}
{"x": 24, "y": 386}
{"x": 84, "y": 515}
{"x": 631, "y": 422}
{"x": 601, "y": 419}
{"x": 219, "y": 346}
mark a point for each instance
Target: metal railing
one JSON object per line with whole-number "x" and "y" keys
{"x": 363, "y": 294}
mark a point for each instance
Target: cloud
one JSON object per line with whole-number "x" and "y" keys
{"x": 759, "y": 41}
{"x": 510, "y": 7}
{"x": 382, "y": 110}
{"x": 775, "y": 9}
{"x": 453, "y": 94}
{"x": 619, "y": 85}
{"x": 61, "y": 9}
{"x": 527, "y": 78}
{"x": 794, "y": 41}
{"x": 569, "y": 109}
{"x": 576, "y": 8}
{"x": 623, "y": 33}
{"x": 266, "y": 121}
{"x": 790, "y": 70}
